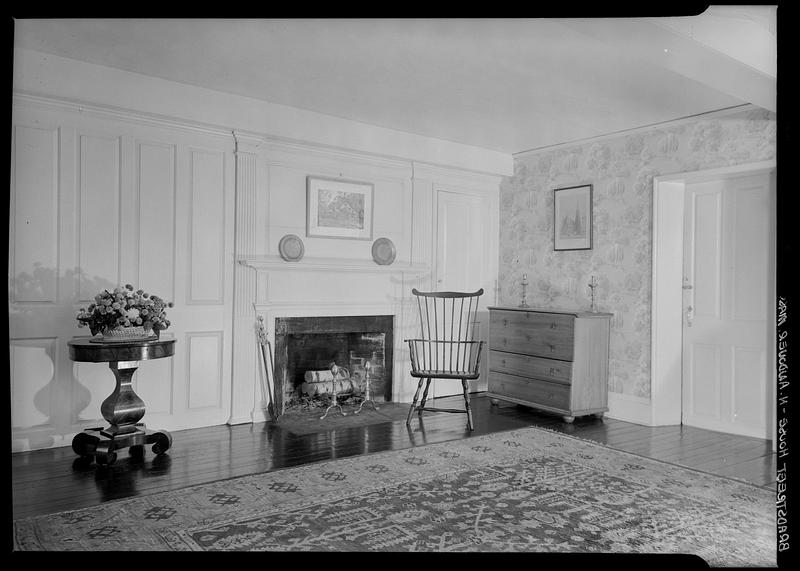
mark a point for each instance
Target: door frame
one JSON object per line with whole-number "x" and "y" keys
{"x": 667, "y": 295}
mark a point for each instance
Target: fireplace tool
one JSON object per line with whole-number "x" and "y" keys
{"x": 335, "y": 371}
{"x": 367, "y": 367}
{"x": 266, "y": 356}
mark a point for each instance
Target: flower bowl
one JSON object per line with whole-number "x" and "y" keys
{"x": 125, "y": 314}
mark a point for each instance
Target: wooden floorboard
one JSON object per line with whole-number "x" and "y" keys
{"x": 54, "y": 480}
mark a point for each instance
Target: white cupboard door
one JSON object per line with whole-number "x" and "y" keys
{"x": 728, "y": 264}
{"x": 463, "y": 263}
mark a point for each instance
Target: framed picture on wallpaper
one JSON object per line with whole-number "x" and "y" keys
{"x": 337, "y": 208}
{"x": 572, "y": 218}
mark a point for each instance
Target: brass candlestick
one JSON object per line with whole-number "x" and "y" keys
{"x": 592, "y": 285}
{"x": 524, "y": 288}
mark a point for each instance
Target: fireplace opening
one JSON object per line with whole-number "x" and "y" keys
{"x": 315, "y": 356}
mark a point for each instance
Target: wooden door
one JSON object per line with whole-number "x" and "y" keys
{"x": 728, "y": 293}
{"x": 462, "y": 263}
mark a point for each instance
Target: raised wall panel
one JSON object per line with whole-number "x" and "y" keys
{"x": 35, "y": 215}
{"x": 99, "y": 382}
{"x": 708, "y": 256}
{"x": 749, "y": 384}
{"x": 32, "y": 364}
{"x": 749, "y": 284}
{"x": 705, "y": 389}
{"x": 204, "y": 352}
{"x": 99, "y": 214}
{"x": 156, "y": 175}
{"x": 207, "y": 230}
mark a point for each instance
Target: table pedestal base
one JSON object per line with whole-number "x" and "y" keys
{"x": 102, "y": 443}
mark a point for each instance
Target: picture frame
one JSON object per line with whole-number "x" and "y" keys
{"x": 572, "y": 218}
{"x": 338, "y": 208}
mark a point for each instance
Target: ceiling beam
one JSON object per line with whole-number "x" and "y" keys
{"x": 654, "y": 44}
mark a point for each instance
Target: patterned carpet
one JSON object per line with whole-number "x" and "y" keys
{"x": 527, "y": 490}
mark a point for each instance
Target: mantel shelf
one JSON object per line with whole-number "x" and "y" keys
{"x": 276, "y": 263}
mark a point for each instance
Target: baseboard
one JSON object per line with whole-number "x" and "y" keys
{"x": 629, "y": 408}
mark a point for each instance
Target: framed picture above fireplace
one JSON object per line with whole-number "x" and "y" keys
{"x": 337, "y": 208}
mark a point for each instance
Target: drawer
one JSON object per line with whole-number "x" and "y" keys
{"x": 528, "y": 366}
{"x": 548, "y": 335}
{"x": 554, "y": 395}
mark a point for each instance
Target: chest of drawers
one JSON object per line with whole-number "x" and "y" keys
{"x": 549, "y": 359}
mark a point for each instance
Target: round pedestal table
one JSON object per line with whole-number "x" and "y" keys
{"x": 123, "y": 409}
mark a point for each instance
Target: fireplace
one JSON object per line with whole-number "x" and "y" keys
{"x": 307, "y": 347}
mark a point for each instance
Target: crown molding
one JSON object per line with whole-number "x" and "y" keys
{"x": 118, "y": 113}
{"x": 642, "y": 129}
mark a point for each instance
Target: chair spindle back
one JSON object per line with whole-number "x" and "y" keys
{"x": 447, "y": 321}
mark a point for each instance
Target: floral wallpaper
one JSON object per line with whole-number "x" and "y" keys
{"x": 621, "y": 170}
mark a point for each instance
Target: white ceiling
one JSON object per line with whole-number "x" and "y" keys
{"x": 509, "y": 85}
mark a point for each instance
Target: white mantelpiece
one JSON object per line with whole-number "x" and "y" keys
{"x": 276, "y": 263}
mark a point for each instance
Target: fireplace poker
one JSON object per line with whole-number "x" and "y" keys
{"x": 266, "y": 355}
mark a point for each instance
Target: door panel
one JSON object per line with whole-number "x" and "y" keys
{"x": 462, "y": 263}
{"x": 727, "y": 253}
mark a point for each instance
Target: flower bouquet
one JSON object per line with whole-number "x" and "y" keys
{"x": 125, "y": 314}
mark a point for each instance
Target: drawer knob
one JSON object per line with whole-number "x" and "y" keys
{"x": 505, "y": 341}
{"x": 528, "y": 338}
{"x": 552, "y": 347}
{"x": 503, "y": 361}
{"x": 550, "y": 396}
{"x": 552, "y": 325}
{"x": 505, "y": 322}
{"x": 552, "y": 370}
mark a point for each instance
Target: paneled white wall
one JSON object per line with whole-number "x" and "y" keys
{"x": 98, "y": 202}
{"x": 112, "y": 185}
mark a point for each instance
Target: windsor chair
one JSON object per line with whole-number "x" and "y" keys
{"x": 447, "y": 348}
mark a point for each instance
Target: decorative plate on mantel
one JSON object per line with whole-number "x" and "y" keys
{"x": 383, "y": 251}
{"x": 291, "y": 248}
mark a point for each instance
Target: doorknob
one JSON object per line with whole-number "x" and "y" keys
{"x": 689, "y": 315}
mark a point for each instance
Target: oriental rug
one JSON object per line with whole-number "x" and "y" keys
{"x": 526, "y": 490}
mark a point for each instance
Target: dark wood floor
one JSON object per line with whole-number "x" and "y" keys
{"x": 49, "y": 481}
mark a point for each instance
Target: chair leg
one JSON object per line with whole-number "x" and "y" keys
{"x": 466, "y": 404}
{"x": 424, "y": 396}
{"x": 414, "y": 402}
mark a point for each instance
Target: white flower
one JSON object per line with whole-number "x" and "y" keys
{"x": 132, "y": 314}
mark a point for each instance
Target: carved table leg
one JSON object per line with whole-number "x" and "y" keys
{"x": 123, "y": 406}
{"x": 104, "y": 454}
{"x": 160, "y": 439}
{"x": 123, "y": 409}
{"x": 85, "y": 443}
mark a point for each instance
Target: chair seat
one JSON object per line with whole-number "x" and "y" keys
{"x": 439, "y": 374}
